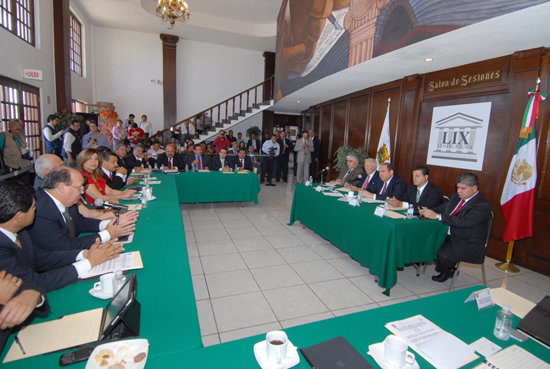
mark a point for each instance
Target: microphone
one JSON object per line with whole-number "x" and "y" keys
{"x": 99, "y": 202}
{"x": 324, "y": 170}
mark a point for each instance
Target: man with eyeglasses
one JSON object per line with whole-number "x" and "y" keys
{"x": 58, "y": 221}
{"x": 354, "y": 174}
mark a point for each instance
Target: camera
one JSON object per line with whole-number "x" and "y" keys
{"x": 271, "y": 153}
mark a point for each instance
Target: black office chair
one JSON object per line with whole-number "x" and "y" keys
{"x": 489, "y": 224}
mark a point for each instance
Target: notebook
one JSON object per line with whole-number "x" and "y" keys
{"x": 336, "y": 353}
{"x": 513, "y": 357}
{"x": 537, "y": 322}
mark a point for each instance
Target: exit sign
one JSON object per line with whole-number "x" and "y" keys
{"x": 33, "y": 74}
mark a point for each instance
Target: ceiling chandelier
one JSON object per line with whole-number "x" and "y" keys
{"x": 172, "y": 11}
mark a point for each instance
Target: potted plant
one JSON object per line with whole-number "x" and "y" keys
{"x": 342, "y": 153}
{"x": 65, "y": 118}
{"x": 254, "y": 129}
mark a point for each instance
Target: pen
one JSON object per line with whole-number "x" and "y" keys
{"x": 21, "y": 346}
{"x": 307, "y": 359}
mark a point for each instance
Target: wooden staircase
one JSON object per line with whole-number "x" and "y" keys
{"x": 228, "y": 113}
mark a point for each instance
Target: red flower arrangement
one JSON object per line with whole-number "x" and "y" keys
{"x": 110, "y": 117}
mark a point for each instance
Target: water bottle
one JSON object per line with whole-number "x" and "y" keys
{"x": 387, "y": 202}
{"x": 144, "y": 201}
{"x": 503, "y": 323}
{"x": 310, "y": 179}
{"x": 236, "y": 168}
{"x": 156, "y": 166}
{"x": 118, "y": 281}
{"x": 410, "y": 211}
{"x": 162, "y": 167}
{"x": 186, "y": 168}
{"x": 194, "y": 168}
{"x": 360, "y": 196}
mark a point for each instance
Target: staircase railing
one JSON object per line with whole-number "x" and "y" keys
{"x": 223, "y": 109}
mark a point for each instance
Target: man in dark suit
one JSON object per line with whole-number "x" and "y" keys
{"x": 282, "y": 163}
{"x": 221, "y": 162}
{"x": 58, "y": 221}
{"x": 467, "y": 214}
{"x": 315, "y": 155}
{"x": 370, "y": 181}
{"x": 391, "y": 186}
{"x": 254, "y": 142}
{"x": 116, "y": 177}
{"x": 241, "y": 161}
{"x": 170, "y": 158}
{"x": 421, "y": 193}
{"x": 18, "y": 255}
{"x": 353, "y": 175}
{"x": 136, "y": 160}
{"x": 196, "y": 159}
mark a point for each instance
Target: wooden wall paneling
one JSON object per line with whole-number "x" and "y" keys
{"x": 339, "y": 125}
{"x": 268, "y": 121}
{"x": 534, "y": 252}
{"x": 325, "y": 133}
{"x": 408, "y": 118}
{"x": 358, "y": 120}
{"x": 62, "y": 49}
{"x": 317, "y": 122}
{"x": 169, "y": 88}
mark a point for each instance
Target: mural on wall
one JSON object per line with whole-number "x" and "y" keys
{"x": 317, "y": 38}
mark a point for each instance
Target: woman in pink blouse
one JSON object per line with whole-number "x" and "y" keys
{"x": 119, "y": 133}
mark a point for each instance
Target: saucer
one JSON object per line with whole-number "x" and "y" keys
{"x": 292, "y": 357}
{"x": 101, "y": 295}
{"x": 377, "y": 353}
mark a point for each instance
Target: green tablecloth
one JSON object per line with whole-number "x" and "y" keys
{"x": 447, "y": 310}
{"x": 217, "y": 187}
{"x": 382, "y": 244}
{"x": 169, "y": 317}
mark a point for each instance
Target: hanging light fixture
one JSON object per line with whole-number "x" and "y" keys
{"x": 172, "y": 11}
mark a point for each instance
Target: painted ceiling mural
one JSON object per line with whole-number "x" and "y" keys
{"x": 316, "y": 38}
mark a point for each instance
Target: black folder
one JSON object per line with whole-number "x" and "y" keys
{"x": 336, "y": 353}
{"x": 537, "y": 322}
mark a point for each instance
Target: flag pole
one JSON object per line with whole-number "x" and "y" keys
{"x": 507, "y": 265}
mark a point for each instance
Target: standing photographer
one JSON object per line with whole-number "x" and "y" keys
{"x": 221, "y": 141}
{"x": 271, "y": 148}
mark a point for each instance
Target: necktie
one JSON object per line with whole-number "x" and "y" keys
{"x": 384, "y": 189}
{"x": 69, "y": 223}
{"x": 366, "y": 183}
{"x": 347, "y": 174}
{"x": 254, "y": 144}
{"x": 223, "y": 163}
{"x": 170, "y": 163}
{"x": 458, "y": 207}
{"x": 200, "y": 164}
{"x": 417, "y": 195}
{"x": 18, "y": 243}
{"x": 242, "y": 163}
{"x": 111, "y": 175}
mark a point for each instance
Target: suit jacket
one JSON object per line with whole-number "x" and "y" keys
{"x": 469, "y": 226}
{"x": 132, "y": 162}
{"x": 374, "y": 182}
{"x": 116, "y": 184}
{"x": 50, "y": 269}
{"x": 288, "y": 149}
{"x": 303, "y": 157}
{"x": 396, "y": 188}
{"x": 249, "y": 143}
{"x": 217, "y": 163}
{"x": 50, "y": 232}
{"x": 355, "y": 176}
{"x": 431, "y": 196}
{"x": 316, "y": 148}
{"x": 190, "y": 158}
{"x": 247, "y": 163}
{"x": 121, "y": 162}
{"x": 179, "y": 161}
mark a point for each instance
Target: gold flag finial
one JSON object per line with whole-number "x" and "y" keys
{"x": 538, "y": 83}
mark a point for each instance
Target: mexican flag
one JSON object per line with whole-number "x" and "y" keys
{"x": 518, "y": 195}
{"x": 383, "y": 154}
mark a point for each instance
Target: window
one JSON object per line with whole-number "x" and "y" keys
{"x": 19, "y": 100}
{"x": 76, "y": 45}
{"x": 17, "y": 16}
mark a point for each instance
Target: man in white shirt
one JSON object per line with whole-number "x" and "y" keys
{"x": 50, "y": 269}
{"x": 127, "y": 123}
{"x": 52, "y": 137}
{"x": 146, "y": 126}
{"x": 272, "y": 149}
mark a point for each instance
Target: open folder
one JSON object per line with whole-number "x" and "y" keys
{"x": 120, "y": 319}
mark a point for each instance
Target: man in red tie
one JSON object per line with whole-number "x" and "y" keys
{"x": 197, "y": 160}
{"x": 391, "y": 185}
{"x": 467, "y": 214}
{"x": 170, "y": 158}
{"x": 370, "y": 181}
{"x": 242, "y": 161}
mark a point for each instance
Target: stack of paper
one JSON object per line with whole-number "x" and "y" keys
{"x": 439, "y": 348}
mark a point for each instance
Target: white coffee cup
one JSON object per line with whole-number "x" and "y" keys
{"x": 105, "y": 284}
{"x": 351, "y": 194}
{"x": 276, "y": 346}
{"x": 395, "y": 352}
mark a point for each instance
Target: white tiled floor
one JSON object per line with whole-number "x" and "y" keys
{"x": 252, "y": 273}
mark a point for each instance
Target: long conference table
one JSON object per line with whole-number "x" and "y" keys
{"x": 381, "y": 244}
{"x": 169, "y": 317}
